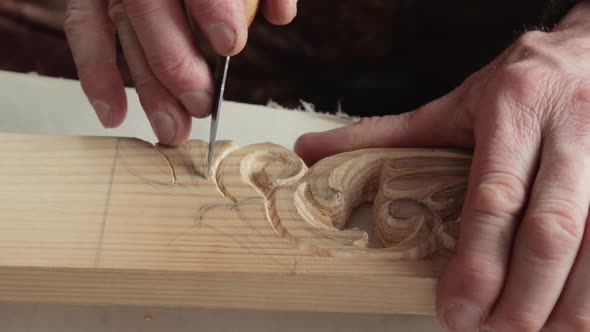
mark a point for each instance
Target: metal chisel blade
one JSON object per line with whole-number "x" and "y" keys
{"x": 221, "y": 69}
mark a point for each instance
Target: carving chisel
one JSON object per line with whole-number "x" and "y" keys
{"x": 220, "y": 77}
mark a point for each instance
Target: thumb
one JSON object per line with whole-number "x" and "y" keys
{"x": 442, "y": 122}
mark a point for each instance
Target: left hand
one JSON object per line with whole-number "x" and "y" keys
{"x": 522, "y": 260}
{"x": 167, "y": 63}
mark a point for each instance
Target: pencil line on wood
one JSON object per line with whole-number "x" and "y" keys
{"x": 106, "y": 207}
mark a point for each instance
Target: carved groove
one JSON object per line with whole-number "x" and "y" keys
{"x": 417, "y": 198}
{"x": 417, "y": 194}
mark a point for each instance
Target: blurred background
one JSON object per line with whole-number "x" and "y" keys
{"x": 368, "y": 57}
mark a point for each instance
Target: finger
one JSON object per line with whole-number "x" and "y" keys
{"x": 442, "y": 122}
{"x": 547, "y": 241}
{"x": 572, "y": 312}
{"x": 170, "y": 122}
{"x": 504, "y": 160}
{"x": 164, "y": 35}
{"x": 48, "y": 14}
{"x": 223, "y": 22}
{"x": 578, "y": 13}
{"x": 91, "y": 38}
{"x": 280, "y": 12}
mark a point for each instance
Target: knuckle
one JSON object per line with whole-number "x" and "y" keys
{"x": 580, "y": 112}
{"x": 143, "y": 80}
{"x": 552, "y": 235}
{"x": 526, "y": 46}
{"x": 117, "y": 11}
{"x": 519, "y": 320}
{"x": 172, "y": 67}
{"x": 475, "y": 277}
{"x": 202, "y": 6}
{"x": 213, "y": 7}
{"x": 572, "y": 320}
{"x": 480, "y": 272}
{"x": 531, "y": 39}
{"x": 523, "y": 84}
{"x": 142, "y": 8}
{"x": 499, "y": 195}
{"x": 582, "y": 97}
{"x": 74, "y": 20}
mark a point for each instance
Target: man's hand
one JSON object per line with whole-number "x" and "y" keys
{"x": 523, "y": 256}
{"x": 171, "y": 77}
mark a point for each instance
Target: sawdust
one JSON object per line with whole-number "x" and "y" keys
{"x": 311, "y": 108}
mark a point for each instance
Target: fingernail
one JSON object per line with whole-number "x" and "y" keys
{"x": 463, "y": 317}
{"x": 103, "y": 111}
{"x": 222, "y": 37}
{"x": 197, "y": 103}
{"x": 163, "y": 126}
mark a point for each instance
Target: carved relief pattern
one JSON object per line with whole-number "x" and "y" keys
{"x": 418, "y": 204}
{"x": 417, "y": 194}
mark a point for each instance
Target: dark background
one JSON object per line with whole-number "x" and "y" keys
{"x": 372, "y": 57}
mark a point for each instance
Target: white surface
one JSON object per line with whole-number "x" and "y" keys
{"x": 41, "y": 105}
{"x": 37, "y": 105}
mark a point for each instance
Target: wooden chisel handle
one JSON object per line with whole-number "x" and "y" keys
{"x": 251, "y": 8}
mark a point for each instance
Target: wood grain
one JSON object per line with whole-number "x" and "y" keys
{"x": 104, "y": 220}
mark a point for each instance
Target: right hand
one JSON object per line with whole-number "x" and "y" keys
{"x": 171, "y": 76}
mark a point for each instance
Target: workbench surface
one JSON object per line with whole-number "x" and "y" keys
{"x": 40, "y": 105}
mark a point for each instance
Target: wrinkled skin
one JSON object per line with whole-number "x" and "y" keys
{"x": 169, "y": 71}
{"x": 523, "y": 257}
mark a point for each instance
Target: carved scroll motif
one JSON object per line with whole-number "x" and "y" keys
{"x": 417, "y": 194}
{"x": 417, "y": 197}
{"x": 418, "y": 204}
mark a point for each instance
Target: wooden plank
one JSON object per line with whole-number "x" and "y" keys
{"x": 105, "y": 220}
